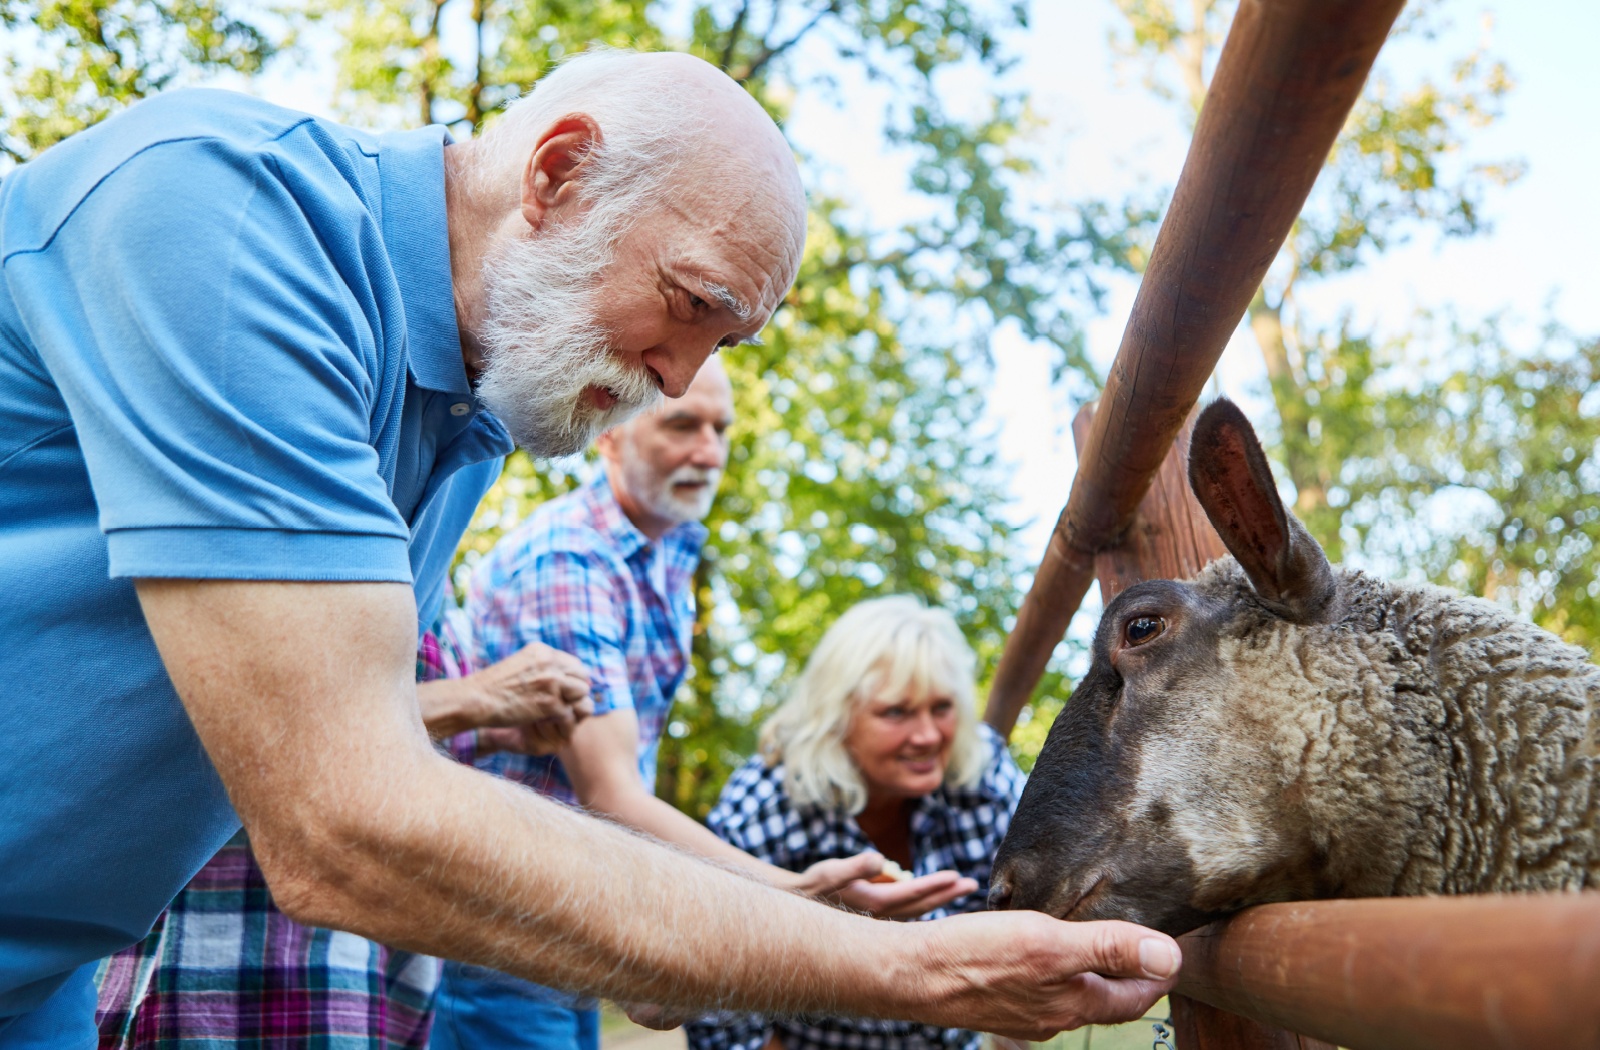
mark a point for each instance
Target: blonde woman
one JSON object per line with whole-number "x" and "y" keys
{"x": 877, "y": 747}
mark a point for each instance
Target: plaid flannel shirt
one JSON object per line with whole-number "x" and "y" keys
{"x": 953, "y": 828}
{"x": 224, "y": 968}
{"x": 579, "y": 577}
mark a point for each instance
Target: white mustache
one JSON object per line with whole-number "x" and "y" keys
{"x": 688, "y": 475}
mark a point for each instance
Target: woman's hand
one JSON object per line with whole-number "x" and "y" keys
{"x": 844, "y": 881}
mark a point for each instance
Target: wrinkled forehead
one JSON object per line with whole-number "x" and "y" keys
{"x": 746, "y": 234}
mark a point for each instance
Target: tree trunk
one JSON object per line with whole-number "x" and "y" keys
{"x": 1289, "y": 395}
{"x": 474, "y": 116}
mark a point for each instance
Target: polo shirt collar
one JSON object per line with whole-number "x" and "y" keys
{"x": 417, "y": 236}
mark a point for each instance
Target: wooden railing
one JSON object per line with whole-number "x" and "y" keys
{"x": 1441, "y": 972}
{"x": 1451, "y": 973}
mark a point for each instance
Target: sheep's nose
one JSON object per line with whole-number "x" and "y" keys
{"x": 1000, "y": 891}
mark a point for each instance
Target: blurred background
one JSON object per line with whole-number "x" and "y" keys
{"x": 986, "y": 180}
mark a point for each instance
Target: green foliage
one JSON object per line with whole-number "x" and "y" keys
{"x": 1463, "y": 459}
{"x": 72, "y": 63}
{"x": 858, "y": 464}
{"x": 856, "y": 469}
{"x": 1481, "y": 474}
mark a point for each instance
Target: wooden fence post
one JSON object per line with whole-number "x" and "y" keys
{"x": 1170, "y": 539}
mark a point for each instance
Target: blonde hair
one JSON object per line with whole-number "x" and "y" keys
{"x": 883, "y": 647}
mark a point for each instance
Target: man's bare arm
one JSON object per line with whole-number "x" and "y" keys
{"x": 302, "y": 695}
{"x": 601, "y": 759}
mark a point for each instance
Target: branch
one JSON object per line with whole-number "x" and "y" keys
{"x": 480, "y": 15}
{"x": 772, "y": 52}
{"x": 734, "y": 32}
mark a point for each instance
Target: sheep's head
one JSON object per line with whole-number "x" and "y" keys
{"x": 1155, "y": 799}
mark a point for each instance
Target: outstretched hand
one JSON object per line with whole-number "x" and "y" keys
{"x": 1025, "y": 975}
{"x": 844, "y": 881}
{"x": 1020, "y": 975}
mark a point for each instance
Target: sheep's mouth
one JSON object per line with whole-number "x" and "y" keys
{"x": 1085, "y": 898}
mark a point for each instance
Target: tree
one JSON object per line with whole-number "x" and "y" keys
{"x": 1396, "y": 169}
{"x": 1482, "y": 471}
{"x": 72, "y": 63}
{"x": 1449, "y": 451}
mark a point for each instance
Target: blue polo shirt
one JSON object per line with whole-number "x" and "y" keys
{"x": 228, "y": 350}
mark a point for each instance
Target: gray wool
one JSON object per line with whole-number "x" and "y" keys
{"x": 1426, "y": 742}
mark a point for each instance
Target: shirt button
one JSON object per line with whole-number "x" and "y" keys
{"x": 460, "y": 409}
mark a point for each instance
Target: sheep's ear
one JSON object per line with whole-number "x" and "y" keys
{"x": 1231, "y": 479}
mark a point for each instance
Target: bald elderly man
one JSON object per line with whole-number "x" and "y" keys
{"x": 256, "y": 370}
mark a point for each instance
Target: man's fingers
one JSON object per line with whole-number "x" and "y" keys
{"x": 652, "y": 1016}
{"x": 1121, "y": 949}
{"x": 557, "y": 730}
{"x": 573, "y": 689}
{"x": 1113, "y": 1000}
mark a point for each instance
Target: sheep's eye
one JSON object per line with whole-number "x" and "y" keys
{"x": 1141, "y": 629}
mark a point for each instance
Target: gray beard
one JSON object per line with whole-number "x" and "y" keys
{"x": 655, "y": 493}
{"x": 543, "y": 346}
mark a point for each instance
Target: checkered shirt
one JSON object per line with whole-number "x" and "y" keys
{"x": 579, "y": 577}
{"x": 223, "y": 968}
{"x": 957, "y": 828}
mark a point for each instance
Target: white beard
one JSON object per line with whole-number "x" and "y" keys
{"x": 657, "y": 495}
{"x": 543, "y": 347}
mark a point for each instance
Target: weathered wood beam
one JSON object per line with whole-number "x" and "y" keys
{"x": 1287, "y": 77}
{"x": 1415, "y": 973}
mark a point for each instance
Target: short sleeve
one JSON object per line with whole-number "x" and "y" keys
{"x": 216, "y": 350}
{"x": 569, "y": 601}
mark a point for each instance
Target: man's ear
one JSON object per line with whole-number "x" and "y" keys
{"x": 549, "y": 182}
{"x": 1230, "y": 477}
{"x": 606, "y": 445}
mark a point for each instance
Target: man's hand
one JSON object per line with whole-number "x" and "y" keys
{"x": 1027, "y": 976}
{"x": 649, "y": 1015}
{"x": 528, "y": 702}
{"x": 844, "y": 881}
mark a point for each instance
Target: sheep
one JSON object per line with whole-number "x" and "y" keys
{"x": 1278, "y": 728}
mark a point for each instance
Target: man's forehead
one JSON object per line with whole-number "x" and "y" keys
{"x": 746, "y": 249}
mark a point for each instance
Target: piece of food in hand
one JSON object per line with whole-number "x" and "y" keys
{"x": 891, "y": 872}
